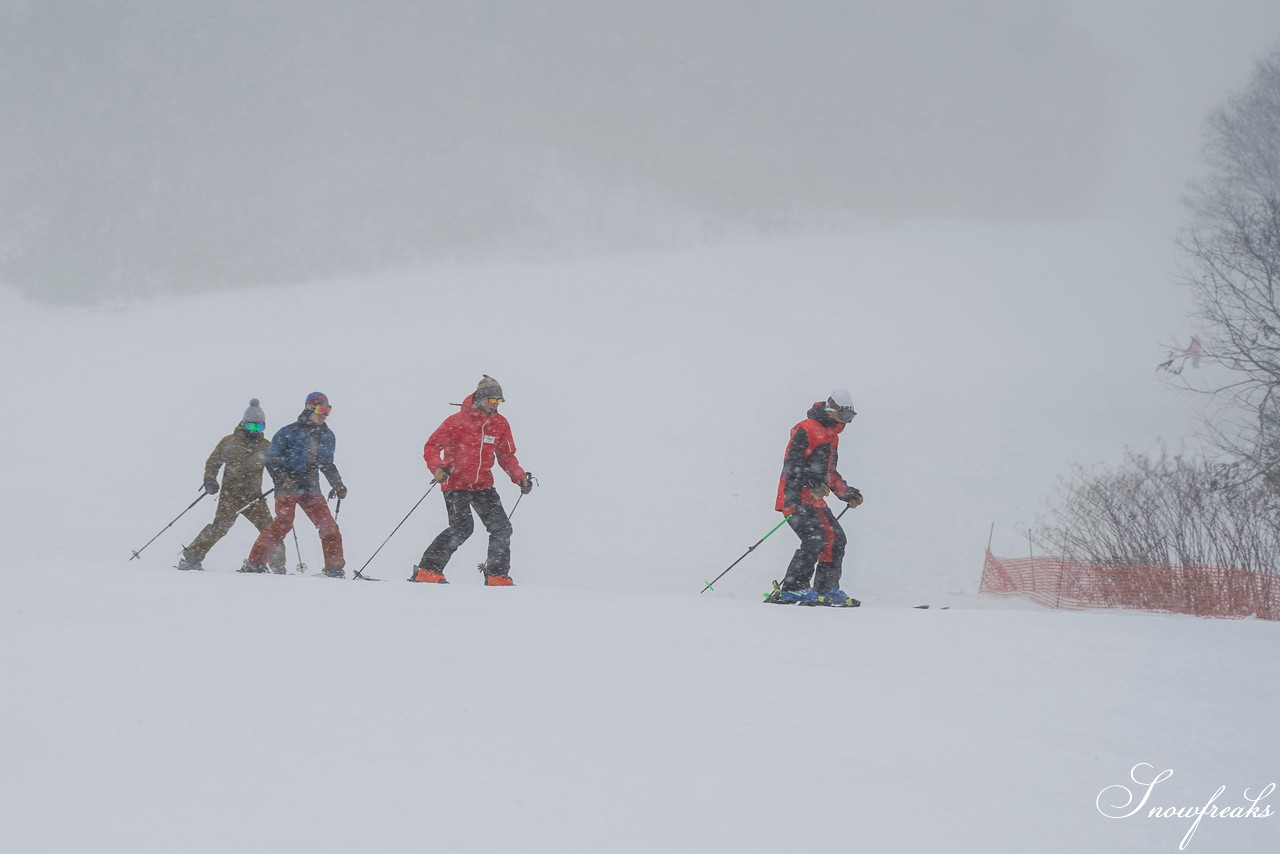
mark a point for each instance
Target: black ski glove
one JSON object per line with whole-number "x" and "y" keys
{"x": 339, "y": 492}
{"x": 211, "y": 486}
{"x": 853, "y": 498}
{"x": 526, "y": 484}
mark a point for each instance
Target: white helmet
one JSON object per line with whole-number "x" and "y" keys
{"x": 840, "y": 404}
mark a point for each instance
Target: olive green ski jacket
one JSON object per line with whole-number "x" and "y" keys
{"x": 241, "y": 456}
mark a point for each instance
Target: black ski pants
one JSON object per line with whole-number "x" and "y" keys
{"x": 488, "y": 506}
{"x": 821, "y": 553}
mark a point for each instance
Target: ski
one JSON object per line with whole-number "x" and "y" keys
{"x": 769, "y": 600}
{"x": 774, "y": 597}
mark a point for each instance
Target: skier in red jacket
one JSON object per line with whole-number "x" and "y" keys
{"x": 809, "y": 474}
{"x": 460, "y": 455}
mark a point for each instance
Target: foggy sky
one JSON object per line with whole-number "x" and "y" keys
{"x": 171, "y": 144}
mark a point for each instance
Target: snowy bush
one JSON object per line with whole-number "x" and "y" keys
{"x": 1169, "y": 510}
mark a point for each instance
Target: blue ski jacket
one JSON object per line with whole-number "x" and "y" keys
{"x": 298, "y": 453}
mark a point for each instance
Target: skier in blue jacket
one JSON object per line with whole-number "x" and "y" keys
{"x": 298, "y": 453}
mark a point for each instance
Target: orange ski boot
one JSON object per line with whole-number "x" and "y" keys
{"x": 430, "y": 576}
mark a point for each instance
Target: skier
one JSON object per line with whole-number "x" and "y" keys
{"x": 240, "y": 456}
{"x": 299, "y": 452}
{"x": 809, "y": 474}
{"x": 460, "y": 456}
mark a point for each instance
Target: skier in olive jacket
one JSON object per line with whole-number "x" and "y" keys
{"x": 809, "y": 474}
{"x": 240, "y": 456}
{"x": 299, "y": 452}
{"x": 460, "y": 455}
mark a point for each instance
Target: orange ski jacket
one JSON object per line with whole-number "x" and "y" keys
{"x": 811, "y": 461}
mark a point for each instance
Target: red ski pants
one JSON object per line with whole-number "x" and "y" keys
{"x": 317, "y": 510}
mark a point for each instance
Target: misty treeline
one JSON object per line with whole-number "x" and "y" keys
{"x": 1222, "y": 509}
{"x": 170, "y": 145}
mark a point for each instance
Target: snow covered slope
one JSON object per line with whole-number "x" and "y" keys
{"x": 153, "y": 711}
{"x": 604, "y": 704}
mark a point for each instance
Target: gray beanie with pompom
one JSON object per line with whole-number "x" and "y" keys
{"x": 254, "y": 414}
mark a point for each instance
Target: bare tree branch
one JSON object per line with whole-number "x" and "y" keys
{"x": 1232, "y": 265}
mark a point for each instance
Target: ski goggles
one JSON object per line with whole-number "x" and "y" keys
{"x": 322, "y": 409}
{"x": 494, "y": 401}
{"x": 843, "y": 413}
{"x": 254, "y": 427}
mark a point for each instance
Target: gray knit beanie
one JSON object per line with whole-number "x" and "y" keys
{"x": 254, "y": 413}
{"x": 488, "y": 387}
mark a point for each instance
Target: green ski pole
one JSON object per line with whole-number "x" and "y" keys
{"x": 747, "y": 552}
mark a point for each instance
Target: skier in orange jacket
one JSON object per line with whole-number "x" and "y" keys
{"x": 809, "y": 473}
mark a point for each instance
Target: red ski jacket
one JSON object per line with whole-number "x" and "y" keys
{"x": 467, "y": 444}
{"x": 811, "y": 461}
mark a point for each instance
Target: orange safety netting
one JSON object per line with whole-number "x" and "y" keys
{"x": 1206, "y": 591}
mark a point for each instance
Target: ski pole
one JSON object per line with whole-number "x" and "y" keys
{"x": 138, "y": 552}
{"x": 517, "y": 504}
{"x": 302, "y": 567}
{"x": 747, "y": 552}
{"x": 392, "y": 534}
{"x": 255, "y": 501}
{"x": 846, "y": 509}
